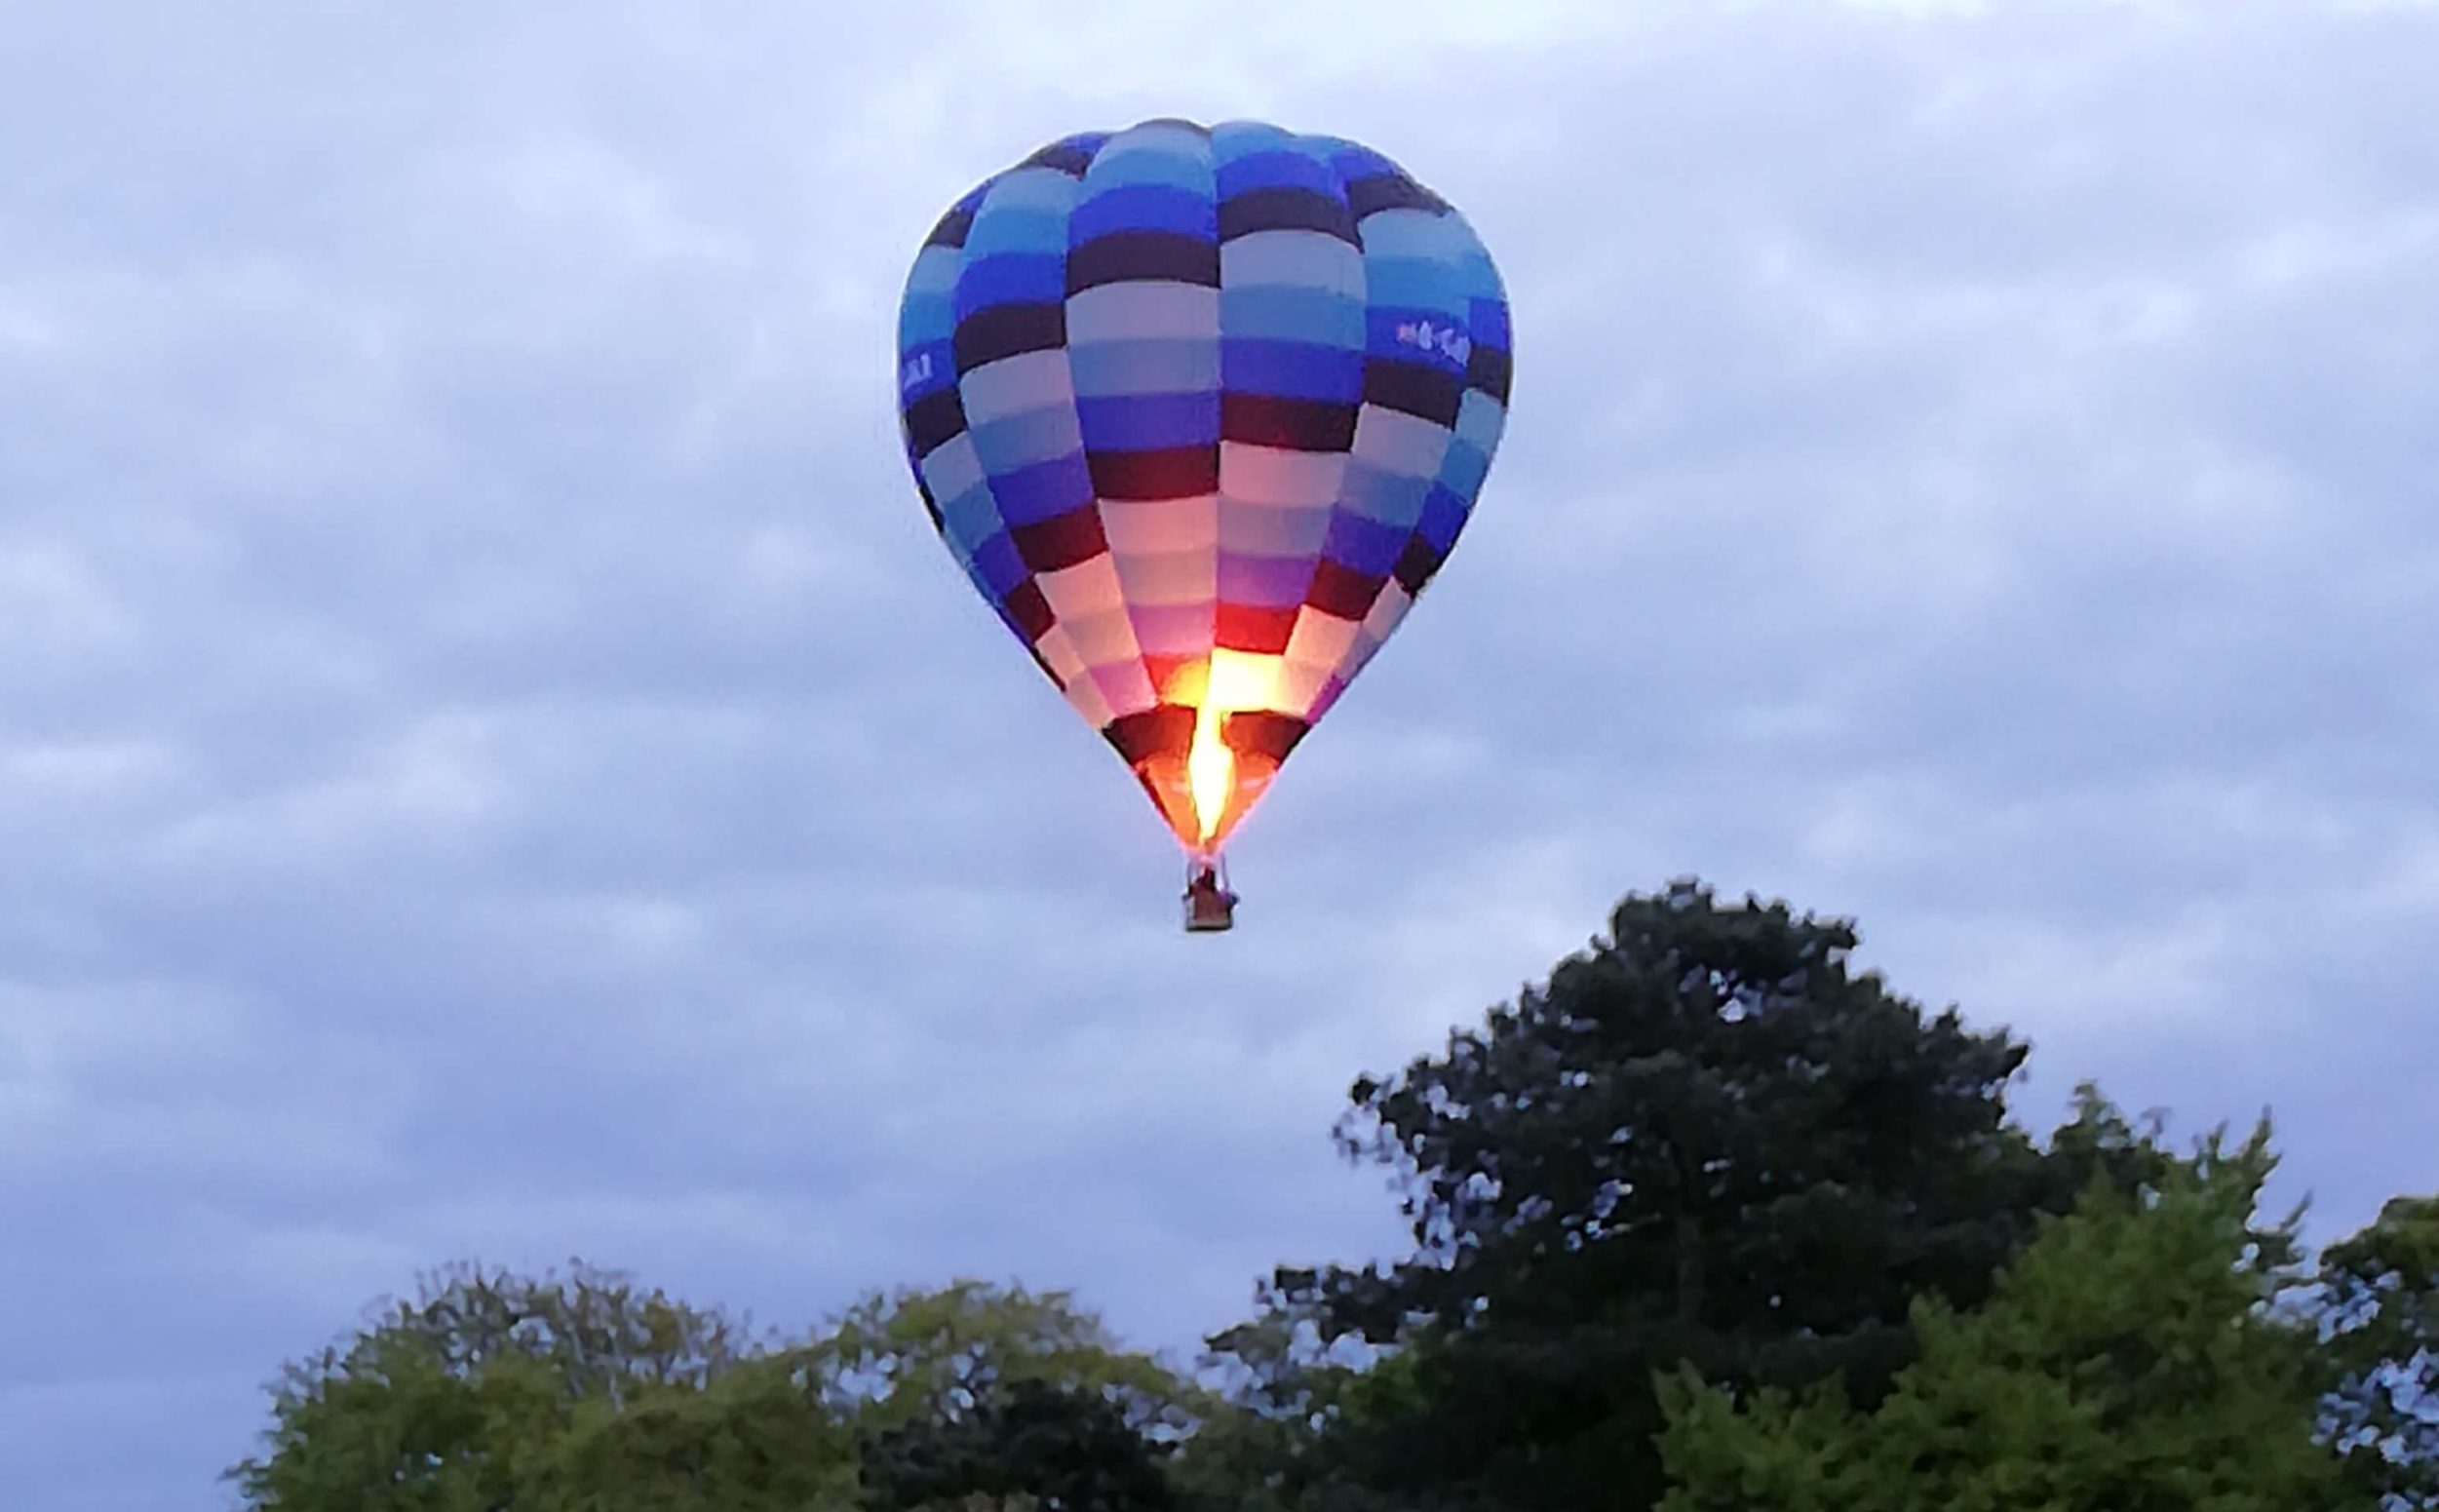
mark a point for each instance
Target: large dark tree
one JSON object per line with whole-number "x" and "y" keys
{"x": 1705, "y": 1140}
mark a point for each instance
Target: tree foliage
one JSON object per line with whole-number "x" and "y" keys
{"x": 932, "y": 1356}
{"x": 972, "y": 1391}
{"x": 1066, "y": 1447}
{"x": 2133, "y": 1359}
{"x": 465, "y": 1398}
{"x": 750, "y": 1441}
{"x": 2379, "y": 1308}
{"x": 583, "y": 1394}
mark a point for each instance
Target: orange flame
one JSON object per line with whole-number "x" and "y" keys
{"x": 1210, "y": 770}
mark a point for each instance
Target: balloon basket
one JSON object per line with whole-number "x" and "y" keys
{"x": 1210, "y": 904}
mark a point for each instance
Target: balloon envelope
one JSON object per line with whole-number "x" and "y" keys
{"x": 1200, "y": 412}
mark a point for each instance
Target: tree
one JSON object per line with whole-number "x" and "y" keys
{"x": 974, "y": 1390}
{"x": 466, "y": 1397}
{"x": 1703, "y": 1140}
{"x": 1064, "y": 1449}
{"x": 750, "y": 1441}
{"x": 935, "y": 1355}
{"x": 585, "y": 1394}
{"x": 2380, "y": 1309}
{"x": 2132, "y": 1360}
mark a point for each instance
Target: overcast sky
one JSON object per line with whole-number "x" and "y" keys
{"x": 493, "y": 763}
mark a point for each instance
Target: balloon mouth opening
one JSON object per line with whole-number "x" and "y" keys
{"x": 1205, "y": 787}
{"x": 1205, "y": 799}
{"x": 1207, "y": 750}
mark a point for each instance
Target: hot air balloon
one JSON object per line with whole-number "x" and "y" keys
{"x": 1200, "y": 410}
